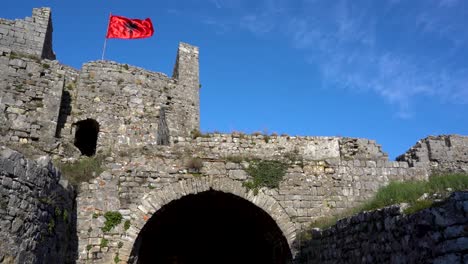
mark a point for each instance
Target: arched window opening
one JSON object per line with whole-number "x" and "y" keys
{"x": 86, "y": 136}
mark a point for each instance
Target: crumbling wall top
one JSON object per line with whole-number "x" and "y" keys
{"x": 31, "y": 35}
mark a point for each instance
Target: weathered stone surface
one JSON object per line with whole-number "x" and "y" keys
{"x": 37, "y": 214}
{"x": 439, "y": 153}
{"x": 412, "y": 238}
{"x": 32, "y": 35}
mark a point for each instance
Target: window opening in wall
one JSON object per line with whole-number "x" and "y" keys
{"x": 86, "y": 136}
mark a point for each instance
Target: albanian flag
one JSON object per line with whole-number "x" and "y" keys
{"x": 127, "y": 28}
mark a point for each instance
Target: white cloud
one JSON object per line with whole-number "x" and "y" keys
{"x": 349, "y": 58}
{"x": 351, "y": 42}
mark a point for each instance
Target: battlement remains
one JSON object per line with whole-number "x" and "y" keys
{"x": 104, "y": 104}
{"x": 31, "y": 36}
{"x": 130, "y": 106}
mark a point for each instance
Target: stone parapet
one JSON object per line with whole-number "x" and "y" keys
{"x": 305, "y": 147}
{"x": 32, "y": 35}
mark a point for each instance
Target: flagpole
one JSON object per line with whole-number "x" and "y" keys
{"x": 104, "y": 49}
{"x": 105, "y": 39}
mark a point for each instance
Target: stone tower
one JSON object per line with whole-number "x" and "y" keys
{"x": 129, "y": 106}
{"x": 31, "y": 36}
{"x": 186, "y": 71}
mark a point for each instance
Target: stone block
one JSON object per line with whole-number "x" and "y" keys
{"x": 325, "y": 149}
{"x": 238, "y": 174}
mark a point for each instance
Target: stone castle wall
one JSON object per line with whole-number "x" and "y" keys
{"x": 325, "y": 175}
{"x": 435, "y": 235}
{"x": 31, "y": 92}
{"x": 37, "y": 212}
{"x": 439, "y": 153}
{"x": 32, "y": 35}
{"x": 135, "y": 107}
{"x": 41, "y": 101}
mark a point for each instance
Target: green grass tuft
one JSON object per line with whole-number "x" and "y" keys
{"x": 409, "y": 192}
{"x": 418, "y": 206}
{"x": 404, "y": 192}
{"x": 104, "y": 242}
{"x": 82, "y": 170}
{"x": 127, "y": 225}
{"x": 440, "y": 183}
{"x": 396, "y": 192}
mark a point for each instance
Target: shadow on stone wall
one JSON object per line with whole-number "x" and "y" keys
{"x": 65, "y": 111}
{"x": 37, "y": 212}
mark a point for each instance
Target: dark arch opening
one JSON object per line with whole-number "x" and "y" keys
{"x": 86, "y": 136}
{"x": 211, "y": 227}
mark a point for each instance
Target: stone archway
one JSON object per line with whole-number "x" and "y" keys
{"x": 153, "y": 202}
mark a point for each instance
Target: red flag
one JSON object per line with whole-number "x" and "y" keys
{"x": 127, "y": 28}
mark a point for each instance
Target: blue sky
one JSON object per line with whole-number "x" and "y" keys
{"x": 394, "y": 71}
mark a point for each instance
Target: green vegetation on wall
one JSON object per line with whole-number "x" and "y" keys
{"x": 411, "y": 191}
{"x": 405, "y": 192}
{"x": 127, "y": 225}
{"x": 265, "y": 173}
{"x": 112, "y": 220}
{"x": 82, "y": 170}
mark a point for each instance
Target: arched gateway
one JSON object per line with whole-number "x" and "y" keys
{"x": 208, "y": 220}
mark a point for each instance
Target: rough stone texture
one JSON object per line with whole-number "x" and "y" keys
{"x": 138, "y": 213}
{"x": 31, "y": 92}
{"x": 439, "y": 153}
{"x": 316, "y": 184}
{"x": 126, "y": 101}
{"x": 31, "y": 36}
{"x": 41, "y": 101}
{"x": 147, "y": 133}
{"x": 37, "y": 213}
{"x": 435, "y": 235}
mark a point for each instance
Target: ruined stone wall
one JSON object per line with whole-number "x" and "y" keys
{"x": 32, "y": 35}
{"x": 325, "y": 175}
{"x": 445, "y": 153}
{"x": 30, "y": 98}
{"x": 41, "y": 99}
{"x": 435, "y": 235}
{"x": 135, "y": 107}
{"x": 37, "y": 212}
